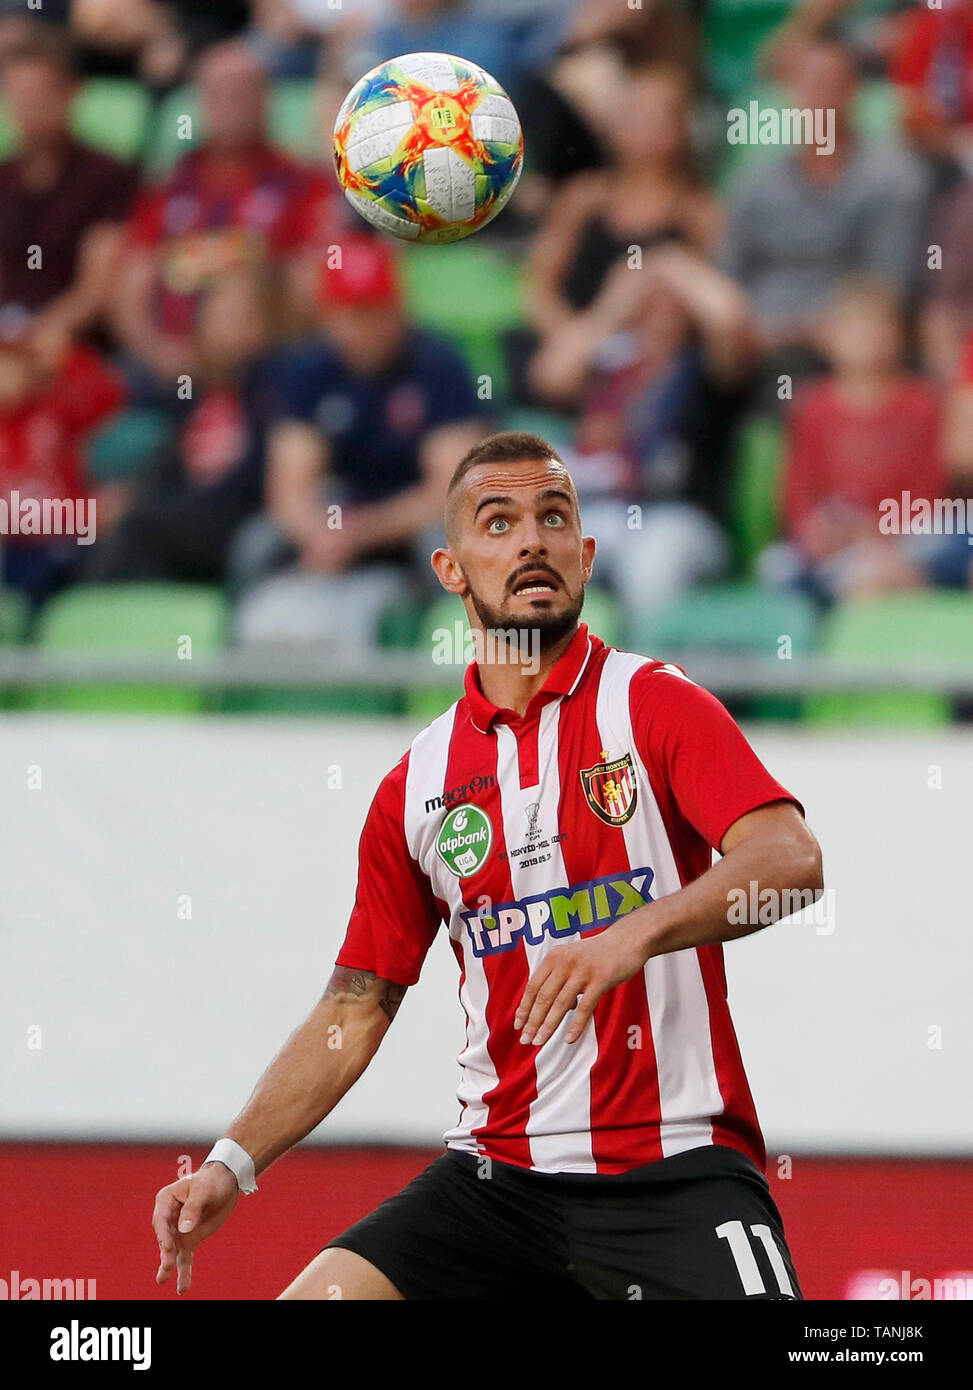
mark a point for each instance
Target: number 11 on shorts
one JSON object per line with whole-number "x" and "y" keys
{"x": 735, "y": 1235}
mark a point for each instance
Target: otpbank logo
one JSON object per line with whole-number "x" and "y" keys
{"x": 560, "y": 911}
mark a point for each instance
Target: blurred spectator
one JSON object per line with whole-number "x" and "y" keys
{"x": 205, "y": 480}
{"x": 370, "y": 418}
{"x": 18, "y": 23}
{"x": 953, "y": 563}
{"x": 799, "y": 223}
{"x": 933, "y": 65}
{"x": 285, "y": 37}
{"x": 601, "y": 37}
{"x": 234, "y": 201}
{"x": 866, "y": 432}
{"x": 438, "y": 26}
{"x": 58, "y": 198}
{"x": 661, "y": 361}
{"x": 153, "y": 40}
{"x": 947, "y": 314}
{"x": 647, "y": 194}
{"x": 51, "y": 398}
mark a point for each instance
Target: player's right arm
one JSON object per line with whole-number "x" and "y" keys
{"x": 317, "y": 1065}
{"x": 392, "y": 925}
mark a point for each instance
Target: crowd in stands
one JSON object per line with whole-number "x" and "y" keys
{"x": 306, "y": 414}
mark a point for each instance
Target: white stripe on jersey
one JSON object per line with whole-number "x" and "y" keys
{"x": 678, "y": 1009}
{"x": 428, "y": 765}
{"x": 559, "y": 1125}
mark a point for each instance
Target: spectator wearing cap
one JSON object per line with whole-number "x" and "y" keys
{"x": 368, "y": 422}
{"x": 234, "y": 201}
{"x": 56, "y": 194}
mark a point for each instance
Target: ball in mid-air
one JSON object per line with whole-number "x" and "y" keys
{"x": 428, "y": 147}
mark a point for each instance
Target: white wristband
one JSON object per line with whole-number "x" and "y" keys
{"x": 232, "y": 1156}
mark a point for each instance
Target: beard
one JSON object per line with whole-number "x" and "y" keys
{"x": 549, "y": 627}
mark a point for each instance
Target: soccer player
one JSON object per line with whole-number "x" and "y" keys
{"x": 559, "y": 819}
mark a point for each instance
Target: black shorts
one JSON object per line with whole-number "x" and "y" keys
{"x": 701, "y": 1224}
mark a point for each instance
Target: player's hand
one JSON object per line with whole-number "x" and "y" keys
{"x": 588, "y": 967}
{"x": 186, "y": 1212}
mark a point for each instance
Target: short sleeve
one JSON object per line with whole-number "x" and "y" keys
{"x": 452, "y": 398}
{"x": 395, "y": 917}
{"x": 292, "y": 383}
{"x": 689, "y": 740}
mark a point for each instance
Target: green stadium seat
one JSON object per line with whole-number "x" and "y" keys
{"x": 131, "y": 618}
{"x": 732, "y": 35}
{"x": 551, "y": 425}
{"x": 603, "y": 615}
{"x": 124, "y": 448}
{"x": 734, "y": 618}
{"x": 472, "y": 294}
{"x": 755, "y": 488}
{"x": 426, "y": 703}
{"x": 295, "y": 120}
{"x": 14, "y": 619}
{"x": 167, "y": 143}
{"x": 734, "y": 31}
{"x": 14, "y": 611}
{"x": 917, "y": 627}
{"x": 114, "y": 115}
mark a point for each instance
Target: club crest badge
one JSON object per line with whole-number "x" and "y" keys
{"x": 610, "y": 789}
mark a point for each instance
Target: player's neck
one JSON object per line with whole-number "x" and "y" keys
{"x": 513, "y": 683}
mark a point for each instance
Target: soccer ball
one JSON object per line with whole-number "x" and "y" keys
{"x": 428, "y": 147}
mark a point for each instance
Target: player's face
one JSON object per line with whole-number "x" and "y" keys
{"x": 520, "y": 549}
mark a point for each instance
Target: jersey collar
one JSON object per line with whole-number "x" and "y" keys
{"x": 563, "y": 679}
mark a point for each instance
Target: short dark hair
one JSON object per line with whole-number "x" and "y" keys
{"x": 45, "y": 43}
{"x": 508, "y": 446}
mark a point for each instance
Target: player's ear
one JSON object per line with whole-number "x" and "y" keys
{"x": 448, "y": 572}
{"x": 588, "y": 546}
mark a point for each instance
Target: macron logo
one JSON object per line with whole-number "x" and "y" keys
{"x": 77, "y": 1343}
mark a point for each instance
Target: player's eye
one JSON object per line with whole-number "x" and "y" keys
{"x": 556, "y": 517}
{"x": 500, "y": 521}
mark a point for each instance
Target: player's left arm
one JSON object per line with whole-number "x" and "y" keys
{"x": 770, "y": 846}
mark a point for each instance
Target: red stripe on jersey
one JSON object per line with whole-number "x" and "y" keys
{"x": 738, "y": 1126}
{"x": 624, "y": 1097}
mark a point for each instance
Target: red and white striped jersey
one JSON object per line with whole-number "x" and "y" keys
{"x": 519, "y": 831}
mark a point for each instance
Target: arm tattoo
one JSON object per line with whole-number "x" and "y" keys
{"x": 346, "y": 986}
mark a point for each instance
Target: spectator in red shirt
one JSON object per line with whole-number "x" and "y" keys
{"x": 235, "y": 201}
{"x": 933, "y": 65}
{"x": 56, "y": 194}
{"x": 866, "y": 432}
{"x": 206, "y": 478}
{"x": 48, "y": 408}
